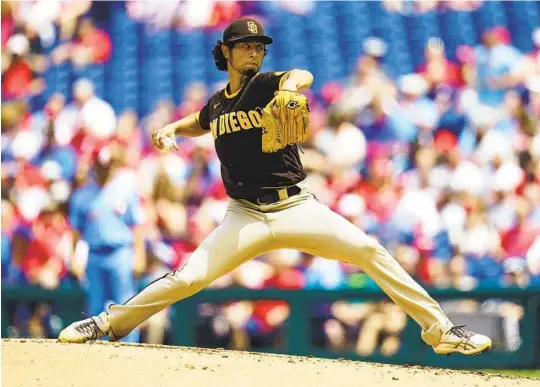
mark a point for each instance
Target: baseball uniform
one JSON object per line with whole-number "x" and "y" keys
{"x": 271, "y": 207}
{"x": 104, "y": 216}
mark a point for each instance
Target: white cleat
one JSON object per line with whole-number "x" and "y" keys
{"x": 458, "y": 340}
{"x": 90, "y": 329}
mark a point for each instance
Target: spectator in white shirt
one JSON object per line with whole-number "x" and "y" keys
{"x": 342, "y": 142}
{"x": 97, "y": 115}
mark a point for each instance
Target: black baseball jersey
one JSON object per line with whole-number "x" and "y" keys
{"x": 235, "y": 123}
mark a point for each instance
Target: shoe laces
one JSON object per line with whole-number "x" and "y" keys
{"x": 90, "y": 328}
{"x": 460, "y": 332}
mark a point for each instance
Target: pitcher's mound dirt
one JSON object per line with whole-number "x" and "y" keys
{"x": 36, "y": 363}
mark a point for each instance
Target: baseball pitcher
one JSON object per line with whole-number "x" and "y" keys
{"x": 257, "y": 122}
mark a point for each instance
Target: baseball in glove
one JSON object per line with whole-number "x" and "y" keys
{"x": 285, "y": 120}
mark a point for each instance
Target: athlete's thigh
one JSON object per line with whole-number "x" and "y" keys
{"x": 314, "y": 228}
{"x": 240, "y": 237}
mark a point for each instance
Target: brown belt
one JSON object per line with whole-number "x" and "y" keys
{"x": 275, "y": 195}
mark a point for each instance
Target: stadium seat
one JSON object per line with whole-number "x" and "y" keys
{"x": 148, "y": 64}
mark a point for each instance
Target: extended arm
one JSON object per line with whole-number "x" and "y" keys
{"x": 188, "y": 127}
{"x": 296, "y": 80}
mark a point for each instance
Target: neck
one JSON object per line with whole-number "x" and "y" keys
{"x": 236, "y": 80}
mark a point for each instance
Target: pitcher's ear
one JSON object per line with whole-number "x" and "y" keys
{"x": 225, "y": 50}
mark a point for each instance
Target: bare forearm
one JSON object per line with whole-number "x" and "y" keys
{"x": 297, "y": 80}
{"x": 188, "y": 126}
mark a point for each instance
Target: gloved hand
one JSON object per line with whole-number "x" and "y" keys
{"x": 285, "y": 120}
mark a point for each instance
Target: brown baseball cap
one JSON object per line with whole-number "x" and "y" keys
{"x": 245, "y": 29}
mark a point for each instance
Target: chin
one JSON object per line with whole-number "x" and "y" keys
{"x": 251, "y": 72}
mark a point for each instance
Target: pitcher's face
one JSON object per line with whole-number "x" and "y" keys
{"x": 246, "y": 57}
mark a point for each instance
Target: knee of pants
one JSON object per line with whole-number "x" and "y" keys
{"x": 367, "y": 248}
{"x": 192, "y": 277}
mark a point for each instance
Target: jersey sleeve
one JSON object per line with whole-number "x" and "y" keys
{"x": 272, "y": 80}
{"x": 204, "y": 116}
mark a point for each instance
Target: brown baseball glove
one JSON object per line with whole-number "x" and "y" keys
{"x": 285, "y": 120}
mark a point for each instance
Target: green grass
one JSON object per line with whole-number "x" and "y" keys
{"x": 529, "y": 373}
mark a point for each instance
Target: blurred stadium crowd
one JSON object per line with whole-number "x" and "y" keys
{"x": 441, "y": 164}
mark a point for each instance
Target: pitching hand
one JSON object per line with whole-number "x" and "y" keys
{"x": 165, "y": 138}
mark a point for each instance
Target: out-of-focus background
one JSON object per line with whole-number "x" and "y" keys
{"x": 425, "y": 133}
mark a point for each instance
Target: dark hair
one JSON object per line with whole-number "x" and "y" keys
{"x": 219, "y": 58}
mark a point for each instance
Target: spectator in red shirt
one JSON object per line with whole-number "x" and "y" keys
{"x": 92, "y": 45}
{"x": 92, "y": 42}
{"x": 224, "y": 12}
{"x": 19, "y": 80}
{"x": 438, "y": 70}
{"x": 517, "y": 240}
{"x": 8, "y": 23}
{"x": 43, "y": 262}
{"x": 378, "y": 188}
